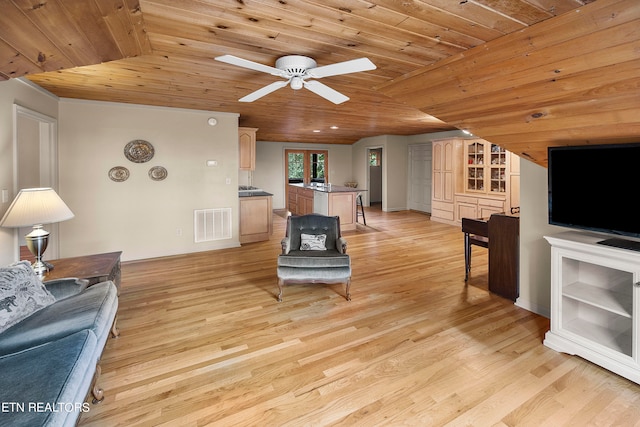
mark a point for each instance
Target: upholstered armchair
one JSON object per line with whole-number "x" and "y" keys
{"x": 314, "y": 251}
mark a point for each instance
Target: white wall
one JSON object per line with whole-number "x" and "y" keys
{"x": 16, "y": 92}
{"x": 535, "y": 252}
{"x": 394, "y": 190}
{"x": 395, "y": 185}
{"x": 139, "y": 216}
{"x": 395, "y": 162}
{"x": 270, "y": 174}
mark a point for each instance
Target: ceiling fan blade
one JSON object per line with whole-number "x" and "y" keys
{"x": 264, "y": 91}
{"x": 325, "y": 91}
{"x": 346, "y": 67}
{"x": 245, "y": 63}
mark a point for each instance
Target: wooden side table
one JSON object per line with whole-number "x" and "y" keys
{"x": 93, "y": 268}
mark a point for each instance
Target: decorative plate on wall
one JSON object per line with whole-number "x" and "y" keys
{"x": 139, "y": 151}
{"x": 157, "y": 173}
{"x": 119, "y": 173}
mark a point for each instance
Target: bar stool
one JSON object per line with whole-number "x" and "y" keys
{"x": 361, "y": 212}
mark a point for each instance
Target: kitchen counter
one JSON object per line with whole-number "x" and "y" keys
{"x": 258, "y": 193}
{"x": 328, "y": 188}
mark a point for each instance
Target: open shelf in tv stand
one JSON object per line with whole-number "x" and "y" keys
{"x": 595, "y": 302}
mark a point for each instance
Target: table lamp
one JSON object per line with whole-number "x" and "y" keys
{"x": 34, "y": 207}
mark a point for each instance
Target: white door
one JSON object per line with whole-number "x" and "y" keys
{"x": 35, "y": 145}
{"x": 420, "y": 165}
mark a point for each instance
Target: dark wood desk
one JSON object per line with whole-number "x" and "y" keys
{"x": 502, "y": 235}
{"x": 93, "y": 268}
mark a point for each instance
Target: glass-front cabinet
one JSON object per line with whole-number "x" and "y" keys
{"x": 498, "y": 169}
{"x": 475, "y": 166}
{"x": 486, "y": 167}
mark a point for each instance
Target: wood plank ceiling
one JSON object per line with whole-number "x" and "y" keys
{"x": 522, "y": 73}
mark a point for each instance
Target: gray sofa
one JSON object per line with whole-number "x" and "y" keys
{"x": 49, "y": 359}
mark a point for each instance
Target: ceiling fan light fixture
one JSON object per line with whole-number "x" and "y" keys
{"x": 297, "y": 83}
{"x": 296, "y": 69}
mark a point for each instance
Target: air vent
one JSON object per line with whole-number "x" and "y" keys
{"x": 211, "y": 224}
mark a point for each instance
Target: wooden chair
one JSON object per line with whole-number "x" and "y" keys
{"x": 313, "y": 251}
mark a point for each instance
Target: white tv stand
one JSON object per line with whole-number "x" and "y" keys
{"x": 595, "y": 302}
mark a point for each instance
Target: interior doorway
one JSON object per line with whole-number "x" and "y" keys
{"x": 374, "y": 162}
{"x": 35, "y": 145}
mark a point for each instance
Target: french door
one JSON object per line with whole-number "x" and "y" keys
{"x": 305, "y": 166}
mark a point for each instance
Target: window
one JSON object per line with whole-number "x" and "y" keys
{"x": 374, "y": 158}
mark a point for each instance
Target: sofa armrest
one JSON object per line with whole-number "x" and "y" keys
{"x": 341, "y": 245}
{"x": 63, "y": 288}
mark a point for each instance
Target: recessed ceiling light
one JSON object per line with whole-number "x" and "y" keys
{"x": 316, "y": 130}
{"x": 334, "y": 127}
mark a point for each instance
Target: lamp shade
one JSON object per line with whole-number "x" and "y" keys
{"x": 36, "y": 206}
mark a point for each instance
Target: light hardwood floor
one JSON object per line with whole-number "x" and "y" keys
{"x": 204, "y": 342}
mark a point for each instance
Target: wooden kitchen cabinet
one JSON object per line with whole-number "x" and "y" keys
{"x": 300, "y": 200}
{"x": 256, "y": 220}
{"x": 292, "y": 202}
{"x": 446, "y": 177}
{"x": 305, "y": 201}
{"x": 472, "y": 206}
{"x": 247, "y": 148}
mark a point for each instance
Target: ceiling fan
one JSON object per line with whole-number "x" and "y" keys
{"x": 297, "y": 69}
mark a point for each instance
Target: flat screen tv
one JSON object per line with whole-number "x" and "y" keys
{"x": 596, "y": 187}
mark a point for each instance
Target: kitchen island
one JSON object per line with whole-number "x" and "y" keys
{"x": 332, "y": 200}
